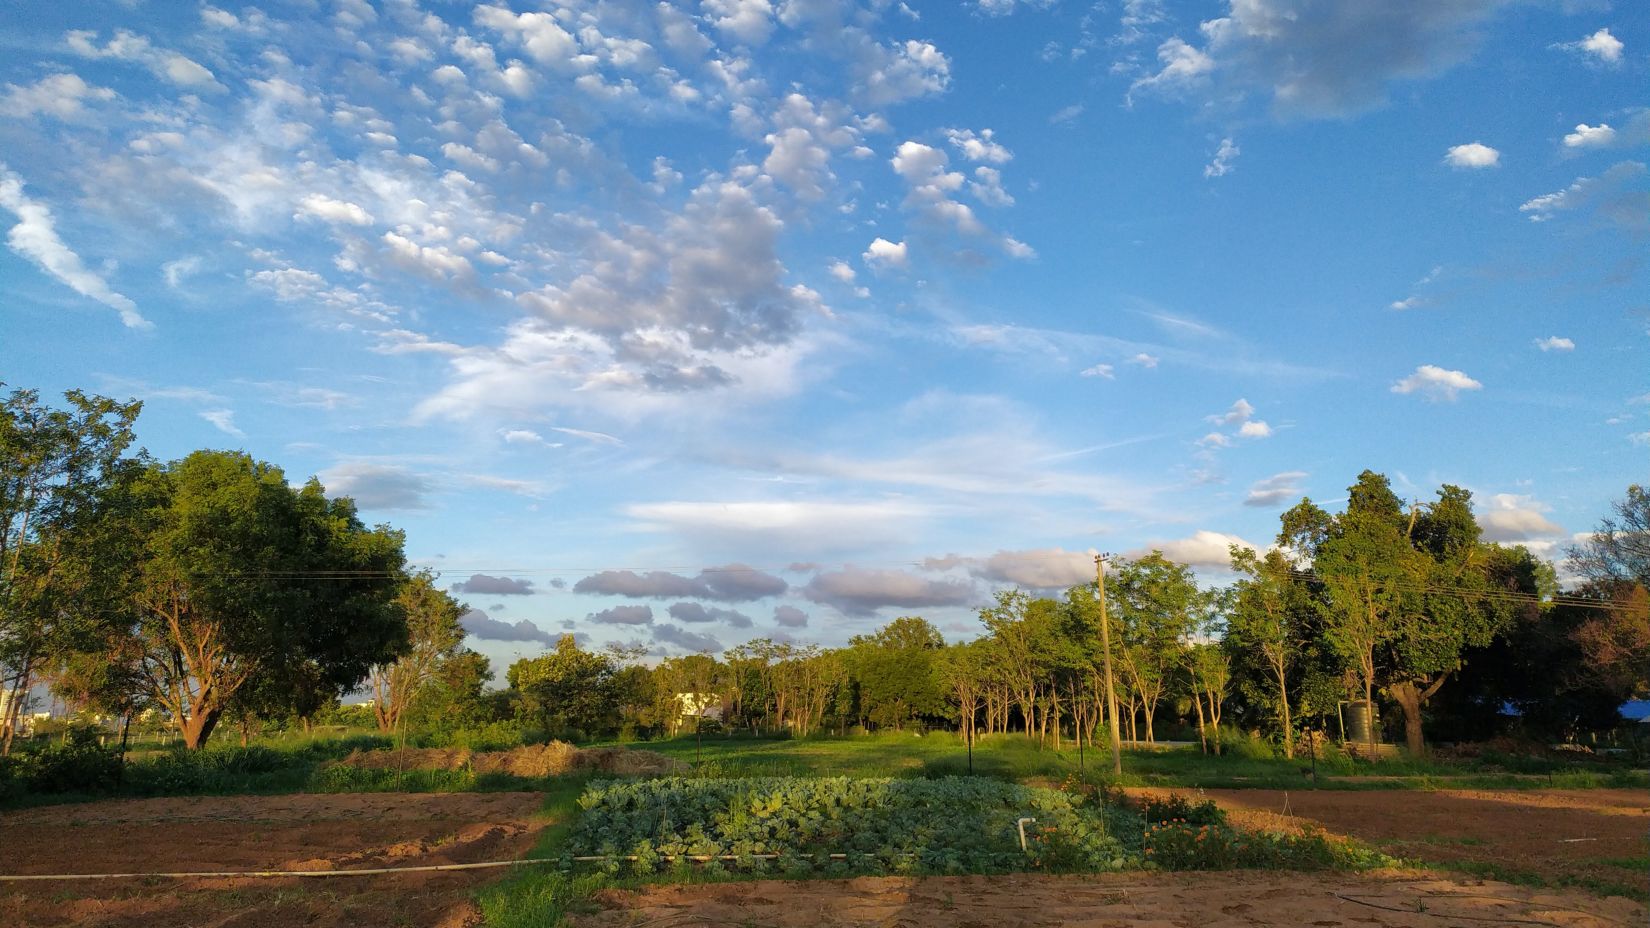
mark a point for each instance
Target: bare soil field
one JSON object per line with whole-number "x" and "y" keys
{"x": 299, "y": 832}
{"x": 1135, "y": 900}
{"x": 1595, "y": 837}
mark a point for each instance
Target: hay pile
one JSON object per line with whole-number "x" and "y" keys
{"x": 548, "y": 760}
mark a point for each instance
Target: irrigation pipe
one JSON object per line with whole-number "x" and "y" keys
{"x": 425, "y": 868}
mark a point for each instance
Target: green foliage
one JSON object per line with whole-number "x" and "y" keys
{"x": 568, "y": 689}
{"x": 77, "y": 764}
{"x": 1184, "y": 845}
{"x": 949, "y": 825}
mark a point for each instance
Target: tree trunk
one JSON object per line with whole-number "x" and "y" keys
{"x": 1411, "y": 697}
{"x": 1288, "y": 724}
{"x": 196, "y": 729}
{"x": 1202, "y": 734}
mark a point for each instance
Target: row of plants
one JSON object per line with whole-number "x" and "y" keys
{"x": 793, "y": 825}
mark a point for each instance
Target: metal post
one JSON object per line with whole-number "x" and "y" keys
{"x": 1105, "y": 644}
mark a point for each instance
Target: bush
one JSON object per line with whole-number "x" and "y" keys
{"x": 1177, "y": 808}
{"x": 1185, "y": 846}
{"x": 77, "y": 765}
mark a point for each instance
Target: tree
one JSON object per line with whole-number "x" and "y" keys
{"x": 894, "y": 668}
{"x": 566, "y": 689}
{"x": 1265, "y": 621}
{"x": 56, "y": 468}
{"x": 238, "y": 583}
{"x": 434, "y": 636}
{"x": 1615, "y": 562}
{"x": 1156, "y": 602}
{"x": 1369, "y": 575}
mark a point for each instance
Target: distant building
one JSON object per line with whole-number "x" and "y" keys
{"x": 696, "y": 706}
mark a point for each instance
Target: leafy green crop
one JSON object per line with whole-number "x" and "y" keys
{"x": 949, "y": 825}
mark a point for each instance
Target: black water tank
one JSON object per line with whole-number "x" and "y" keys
{"x": 1359, "y": 718}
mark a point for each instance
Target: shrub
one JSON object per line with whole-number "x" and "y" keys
{"x": 1177, "y": 808}
{"x": 76, "y": 765}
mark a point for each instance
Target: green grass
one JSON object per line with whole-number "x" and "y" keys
{"x": 541, "y": 896}
{"x": 1521, "y": 877}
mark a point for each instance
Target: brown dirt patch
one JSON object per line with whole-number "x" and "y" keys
{"x": 1137, "y": 900}
{"x": 299, "y": 832}
{"x": 1598, "y": 837}
{"x": 545, "y": 760}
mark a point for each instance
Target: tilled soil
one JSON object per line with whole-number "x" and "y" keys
{"x": 1125, "y": 900}
{"x": 298, "y": 832}
{"x": 1596, "y": 837}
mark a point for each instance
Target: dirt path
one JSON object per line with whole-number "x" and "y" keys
{"x": 1597, "y": 838}
{"x": 1135, "y": 900}
{"x": 300, "y": 832}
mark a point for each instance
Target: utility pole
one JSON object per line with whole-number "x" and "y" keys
{"x": 1105, "y": 647}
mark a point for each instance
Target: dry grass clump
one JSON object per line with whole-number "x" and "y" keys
{"x": 547, "y": 760}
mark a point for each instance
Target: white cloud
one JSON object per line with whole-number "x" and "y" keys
{"x": 1032, "y": 569}
{"x": 1587, "y": 136}
{"x": 1601, "y": 47}
{"x": 1255, "y": 428}
{"x": 842, "y": 271}
{"x": 327, "y": 209}
{"x": 223, "y": 420}
{"x": 376, "y": 486}
{"x": 127, "y": 46}
{"x": 979, "y": 146}
{"x": 1144, "y": 360}
{"x": 1408, "y": 302}
{"x": 35, "y": 238}
{"x": 902, "y": 71}
{"x": 1065, "y": 114}
{"x": 1203, "y": 549}
{"x": 1555, "y": 343}
{"x": 1276, "y": 489}
{"x": 883, "y": 253}
{"x": 1316, "y": 58}
{"x": 1222, "y": 163}
{"x": 749, "y": 21}
{"x": 1517, "y": 518}
{"x": 176, "y": 272}
{"x": 1182, "y": 67}
{"x": 63, "y": 96}
{"x": 1436, "y": 383}
{"x": 1618, "y": 196}
{"x": 1100, "y": 370}
{"x": 1215, "y": 440}
{"x": 1241, "y": 411}
{"x": 1472, "y": 155}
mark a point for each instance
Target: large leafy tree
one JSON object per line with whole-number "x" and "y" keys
{"x": 1267, "y": 623}
{"x": 242, "y": 591}
{"x": 56, "y": 470}
{"x": 1157, "y": 605}
{"x": 434, "y": 636}
{"x": 894, "y": 669}
{"x": 567, "y": 688}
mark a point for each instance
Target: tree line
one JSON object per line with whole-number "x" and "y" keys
{"x": 210, "y": 589}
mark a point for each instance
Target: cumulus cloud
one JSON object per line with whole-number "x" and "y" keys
{"x": 882, "y": 253}
{"x": 1255, "y": 428}
{"x": 488, "y": 585}
{"x": 1555, "y": 343}
{"x": 731, "y": 583}
{"x": 789, "y": 617}
{"x": 480, "y": 625}
{"x": 862, "y": 591}
{"x": 695, "y": 612}
{"x": 326, "y": 209}
{"x": 1032, "y": 569}
{"x": 35, "y": 238}
{"x": 1203, "y": 549}
{"x": 377, "y": 486}
{"x": 169, "y": 66}
{"x": 1586, "y": 136}
{"x": 1319, "y": 59}
{"x": 62, "y": 96}
{"x": 1222, "y": 165}
{"x": 1472, "y": 155}
{"x": 1619, "y": 197}
{"x": 901, "y": 71}
{"x": 1241, "y": 411}
{"x": 1436, "y": 383}
{"x": 680, "y": 637}
{"x": 1600, "y": 48}
{"x": 623, "y": 615}
{"x": 979, "y": 146}
{"x": 1099, "y": 370}
{"x": 1516, "y": 518}
{"x": 1276, "y": 489}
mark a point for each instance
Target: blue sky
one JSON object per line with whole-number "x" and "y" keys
{"x": 895, "y": 303}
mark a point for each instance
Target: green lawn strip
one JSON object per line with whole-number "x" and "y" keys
{"x": 540, "y": 895}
